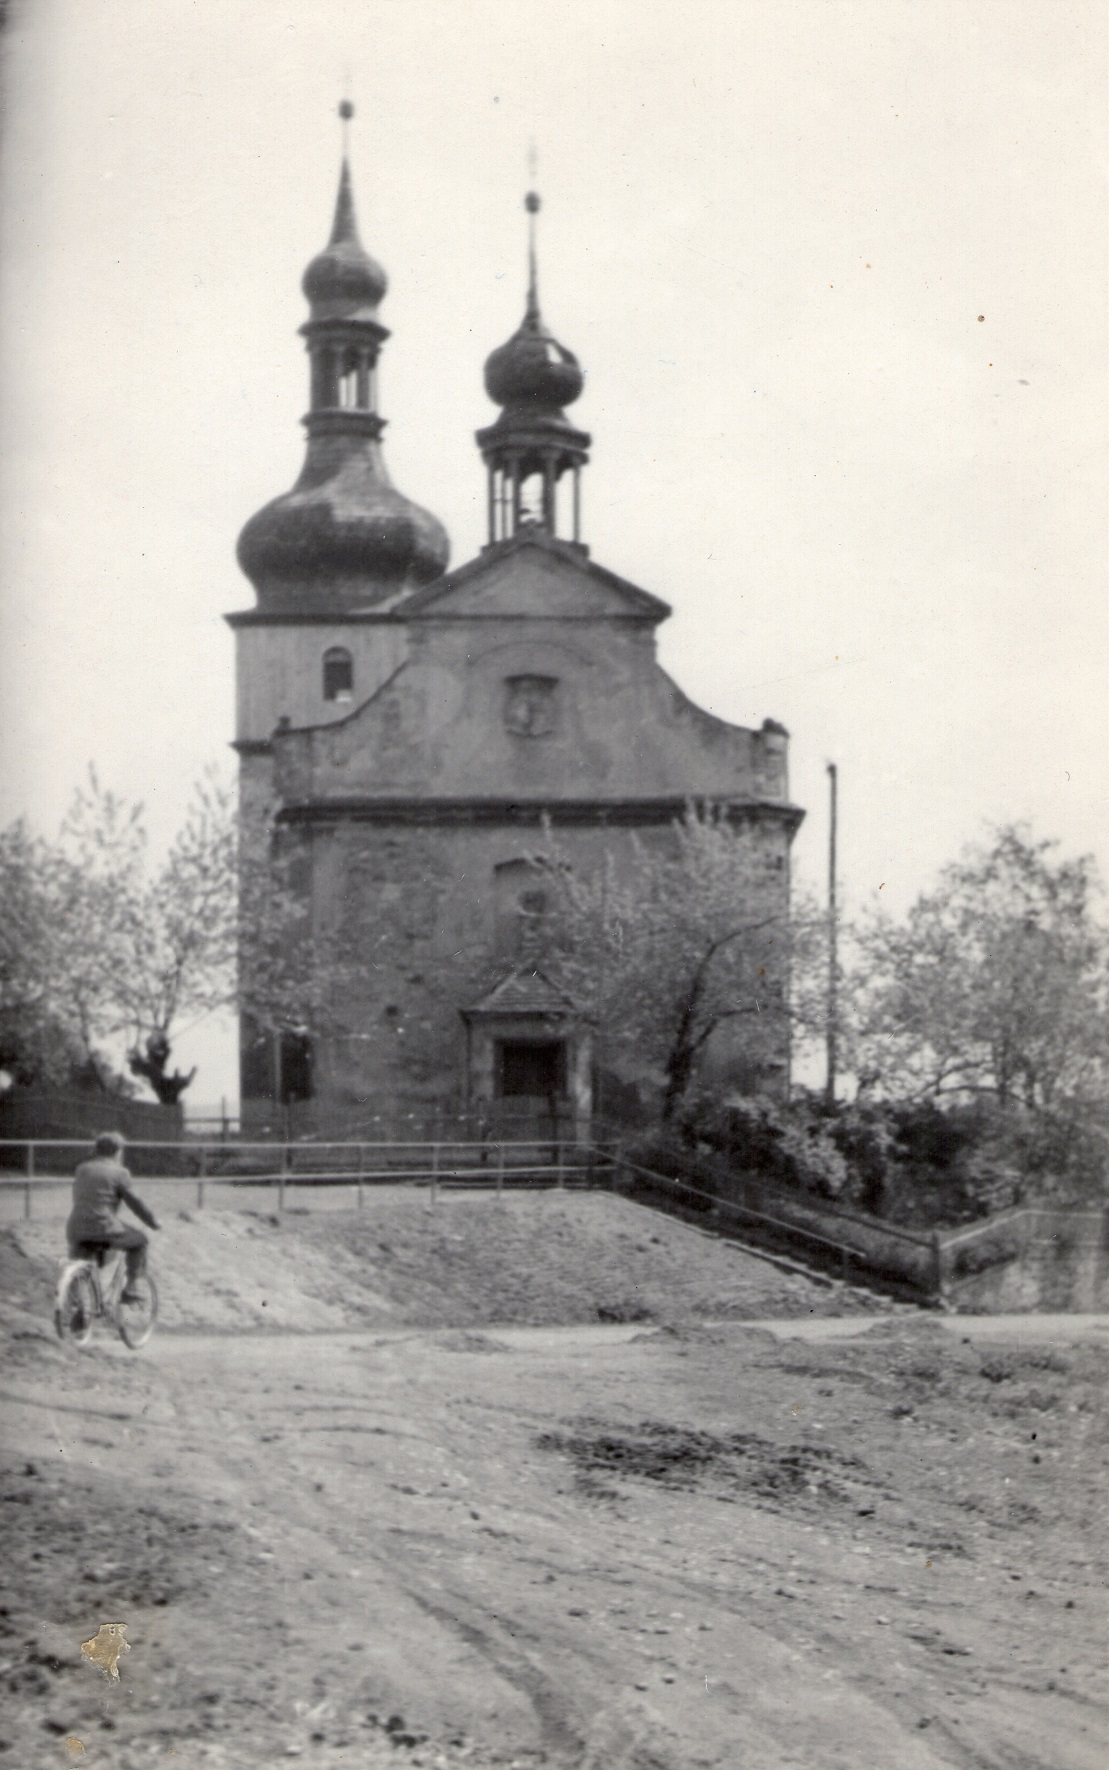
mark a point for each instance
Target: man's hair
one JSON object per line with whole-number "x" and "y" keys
{"x": 109, "y": 1143}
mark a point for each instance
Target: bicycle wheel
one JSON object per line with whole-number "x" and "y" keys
{"x": 76, "y": 1308}
{"x": 136, "y": 1320}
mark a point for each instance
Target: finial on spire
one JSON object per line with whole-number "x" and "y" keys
{"x": 346, "y": 112}
{"x": 531, "y": 204}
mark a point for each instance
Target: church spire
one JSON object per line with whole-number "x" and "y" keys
{"x": 343, "y": 536}
{"x": 344, "y": 228}
{"x": 533, "y": 443}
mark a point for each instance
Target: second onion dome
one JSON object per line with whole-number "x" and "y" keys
{"x": 532, "y": 377}
{"x": 533, "y": 369}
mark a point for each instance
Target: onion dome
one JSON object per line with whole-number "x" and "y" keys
{"x": 344, "y": 537}
{"x": 343, "y": 281}
{"x": 533, "y": 369}
{"x": 343, "y": 534}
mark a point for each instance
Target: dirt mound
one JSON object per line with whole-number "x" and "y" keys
{"x": 542, "y": 1259}
{"x": 554, "y": 1258}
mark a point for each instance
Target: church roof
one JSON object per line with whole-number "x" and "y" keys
{"x": 524, "y": 991}
{"x": 622, "y": 597}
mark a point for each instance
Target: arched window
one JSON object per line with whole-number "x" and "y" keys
{"x": 338, "y": 674}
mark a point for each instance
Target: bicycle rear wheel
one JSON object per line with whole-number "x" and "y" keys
{"x": 76, "y": 1309}
{"x": 136, "y": 1320}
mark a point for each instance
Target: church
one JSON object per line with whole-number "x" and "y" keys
{"x": 406, "y": 732}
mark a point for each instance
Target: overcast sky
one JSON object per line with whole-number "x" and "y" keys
{"x": 836, "y": 274}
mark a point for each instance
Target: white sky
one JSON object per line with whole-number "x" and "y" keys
{"x": 769, "y": 230}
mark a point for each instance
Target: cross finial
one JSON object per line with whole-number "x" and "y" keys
{"x": 531, "y": 204}
{"x": 346, "y": 112}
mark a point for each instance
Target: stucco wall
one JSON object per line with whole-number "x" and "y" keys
{"x": 619, "y": 728}
{"x": 528, "y": 680}
{"x": 418, "y": 911}
{"x": 279, "y": 671}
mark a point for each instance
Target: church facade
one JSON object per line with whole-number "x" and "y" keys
{"x": 406, "y": 733}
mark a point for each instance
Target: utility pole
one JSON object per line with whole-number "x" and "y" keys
{"x": 833, "y": 954}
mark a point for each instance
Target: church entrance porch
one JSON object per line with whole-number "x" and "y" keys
{"x": 528, "y": 1061}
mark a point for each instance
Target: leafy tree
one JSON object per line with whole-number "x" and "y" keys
{"x": 995, "y": 986}
{"x": 65, "y": 946}
{"x": 182, "y": 933}
{"x": 679, "y": 945}
{"x": 98, "y": 949}
{"x": 37, "y": 1042}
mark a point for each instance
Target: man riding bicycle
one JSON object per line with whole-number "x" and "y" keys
{"x": 100, "y": 1186}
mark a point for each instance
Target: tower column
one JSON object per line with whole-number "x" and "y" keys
{"x": 514, "y": 469}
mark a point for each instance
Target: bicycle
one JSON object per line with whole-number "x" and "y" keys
{"x": 93, "y": 1287}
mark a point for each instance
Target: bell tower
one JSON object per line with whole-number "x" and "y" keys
{"x": 344, "y": 539}
{"x": 533, "y": 445}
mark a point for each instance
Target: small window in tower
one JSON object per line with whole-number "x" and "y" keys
{"x": 338, "y": 674}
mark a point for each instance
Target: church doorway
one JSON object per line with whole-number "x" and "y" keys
{"x": 531, "y": 1068}
{"x": 528, "y": 1061}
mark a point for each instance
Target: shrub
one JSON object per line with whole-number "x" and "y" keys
{"x": 784, "y": 1143}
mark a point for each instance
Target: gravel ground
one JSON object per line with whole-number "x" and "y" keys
{"x": 683, "y": 1545}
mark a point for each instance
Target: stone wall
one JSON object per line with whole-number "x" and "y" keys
{"x": 1030, "y": 1259}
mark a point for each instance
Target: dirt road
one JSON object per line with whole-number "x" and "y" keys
{"x": 630, "y": 1549}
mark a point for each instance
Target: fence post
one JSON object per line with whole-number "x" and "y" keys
{"x": 559, "y": 1180}
{"x": 282, "y": 1176}
{"x": 937, "y": 1266}
{"x": 434, "y": 1175}
{"x": 201, "y": 1171}
{"x": 361, "y": 1169}
{"x": 29, "y": 1169}
{"x": 500, "y": 1168}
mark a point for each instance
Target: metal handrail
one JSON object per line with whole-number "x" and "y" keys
{"x": 433, "y": 1161}
{"x": 192, "y": 1145}
{"x": 719, "y": 1204}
